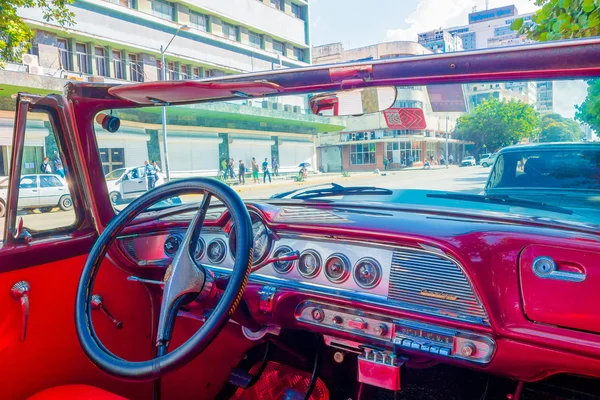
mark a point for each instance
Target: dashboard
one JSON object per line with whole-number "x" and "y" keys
{"x": 448, "y": 288}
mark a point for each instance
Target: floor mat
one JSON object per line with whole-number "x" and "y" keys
{"x": 275, "y": 379}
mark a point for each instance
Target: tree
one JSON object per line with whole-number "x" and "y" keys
{"x": 496, "y": 124}
{"x": 15, "y": 36}
{"x": 555, "y": 128}
{"x": 568, "y": 19}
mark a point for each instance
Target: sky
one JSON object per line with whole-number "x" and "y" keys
{"x": 358, "y": 23}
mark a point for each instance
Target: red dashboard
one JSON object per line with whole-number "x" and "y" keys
{"x": 511, "y": 296}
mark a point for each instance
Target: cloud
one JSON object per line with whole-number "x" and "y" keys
{"x": 435, "y": 14}
{"x": 568, "y": 94}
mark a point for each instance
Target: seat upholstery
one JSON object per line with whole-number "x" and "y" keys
{"x": 79, "y": 392}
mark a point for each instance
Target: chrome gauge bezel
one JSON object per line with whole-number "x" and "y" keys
{"x": 319, "y": 266}
{"x": 379, "y": 272}
{"x": 346, "y": 265}
{"x": 290, "y": 264}
{"x": 198, "y": 256}
{"x": 255, "y": 261}
{"x": 222, "y": 243}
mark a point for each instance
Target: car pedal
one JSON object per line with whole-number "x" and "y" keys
{"x": 291, "y": 394}
{"x": 240, "y": 378}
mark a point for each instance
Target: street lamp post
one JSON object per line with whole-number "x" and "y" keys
{"x": 163, "y": 77}
{"x": 447, "y": 136}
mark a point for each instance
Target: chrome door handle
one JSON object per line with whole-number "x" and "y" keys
{"x": 98, "y": 304}
{"x": 545, "y": 267}
{"x": 20, "y": 291}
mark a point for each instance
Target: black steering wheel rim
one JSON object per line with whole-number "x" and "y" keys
{"x": 153, "y": 369}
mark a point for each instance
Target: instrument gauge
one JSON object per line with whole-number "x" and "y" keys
{"x": 337, "y": 268}
{"x": 283, "y": 267}
{"x": 309, "y": 264}
{"x": 199, "y": 251}
{"x": 261, "y": 240}
{"x": 367, "y": 273}
{"x": 216, "y": 251}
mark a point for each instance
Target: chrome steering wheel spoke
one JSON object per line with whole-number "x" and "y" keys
{"x": 184, "y": 278}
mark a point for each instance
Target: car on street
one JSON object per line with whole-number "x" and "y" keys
{"x": 128, "y": 183}
{"x": 487, "y": 160}
{"x": 468, "y": 161}
{"x": 39, "y": 191}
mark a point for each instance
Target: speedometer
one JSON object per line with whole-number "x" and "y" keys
{"x": 337, "y": 268}
{"x": 261, "y": 241}
{"x": 309, "y": 264}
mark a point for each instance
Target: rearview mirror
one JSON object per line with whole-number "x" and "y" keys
{"x": 354, "y": 102}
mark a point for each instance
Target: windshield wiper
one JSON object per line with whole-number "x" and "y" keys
{"x": 502, "y": 200}
{"x": 339, "y": 190}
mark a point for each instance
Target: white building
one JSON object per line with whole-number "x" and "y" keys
{"x": 492, "y": 28}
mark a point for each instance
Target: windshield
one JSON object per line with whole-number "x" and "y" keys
{"x": 428, "y": 139}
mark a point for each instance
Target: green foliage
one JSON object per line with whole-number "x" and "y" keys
{"x": 495, "y": 124}
{"x": 589, "y": 111}
{"x": 15, "y": 35}
{"x": 555, "y": 128}
{"x": 562, "y": 19}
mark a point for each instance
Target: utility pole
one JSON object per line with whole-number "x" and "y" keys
{"x": 447, "y": 137}
{"x": 163, "y": 77}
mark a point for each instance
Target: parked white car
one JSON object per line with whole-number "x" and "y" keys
{"x": 468, "y": 161}
{"x": 41, "y": 191}
{"x": 128, "y": 183}
{"x": 489, "y": 160}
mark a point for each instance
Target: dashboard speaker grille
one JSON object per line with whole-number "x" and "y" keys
{"x": 433, "y": 284}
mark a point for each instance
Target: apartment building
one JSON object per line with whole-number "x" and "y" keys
{"x": 488, "y": 29}
{"x": 122, "y": 40}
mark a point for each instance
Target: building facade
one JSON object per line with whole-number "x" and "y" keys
{"x": 440, "y": 41}
{"x": 122, "y": 40}
{"x": 405, "y": 135}
{"x": 492, "y": 28}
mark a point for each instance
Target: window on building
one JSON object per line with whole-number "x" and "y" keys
{"x": 63, "y": 52}
{"x": 431, "y": 150}
{"x": 403, "y": 153}
{"x": 207, "y": 73}
{"x": 163, "y": 9}
{"x": 171, "y": 73}
{"x": 255, "y": 39}
{"x": 136, "y": 69}
{"x": 196, "y": 73}
{"x": 100, "y": 60}
{"x": 184, "y": 72}
{"x": 362, "y": 154}
{"x": 296, "y": 10}
{"x": 112, "y": 159}
{"x": 279, "y": 47}
{"x": 81, "y": 56}
{"x": 408, "y": 103}
{"x": 124, "y": 3}
{"x": 299, "y": 53}
{"x": 278, "y": 4}
{"x": 118, "y": 64}
{"x": 230, "y": 31}
{"x": 199, "y": 21}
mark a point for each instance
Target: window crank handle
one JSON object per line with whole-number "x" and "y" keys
{"x": 98, "y": 304}
{"x": 20, "y": 291}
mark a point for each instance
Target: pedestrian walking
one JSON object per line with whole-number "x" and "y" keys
{"x": 45, "y": 167}
{"x": 275, "y": 164}
{"x": 265, "y": 168}
{"x": 254, "y": 170}
{"x": 58, "y": 166}
{"x": 231, "y": 168}
{"x": 157, "y": 169}
{"x": 450, "y": 159}
{"x": 150, "y": 175}
{"x": 242, "y": 172}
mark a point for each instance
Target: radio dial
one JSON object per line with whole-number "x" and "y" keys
{"x": 337, "y": 320}
{"x": 380, "y": 329}
{"x": 318, "y": 314}
{"x": 468, "y": 349}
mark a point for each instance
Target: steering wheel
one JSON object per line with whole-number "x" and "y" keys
{"x": 184, "y": 281}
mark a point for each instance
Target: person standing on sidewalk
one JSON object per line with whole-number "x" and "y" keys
{"x": 385, "y": 163}
{"x": 231, "y": 168}
{"x": 45, "y": 167}
{"x": 150, "y": 174}
{"x": 242, "y": 173}
{"x": 275, "y": 166}
{"x": 254, "y": 170}
{"x": 265, "y": 168}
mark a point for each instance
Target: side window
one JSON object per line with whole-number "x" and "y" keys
{"x": 49, "y": 207}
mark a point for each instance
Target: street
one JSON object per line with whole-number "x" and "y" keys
{"x": 468, "y": 179}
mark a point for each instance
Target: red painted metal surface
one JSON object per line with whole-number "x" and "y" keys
{"x": 75, "y": 392}
{"x": 552, "y": 300}
{"x": 405, "y": 118}
{"x": 172, "y": 92}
